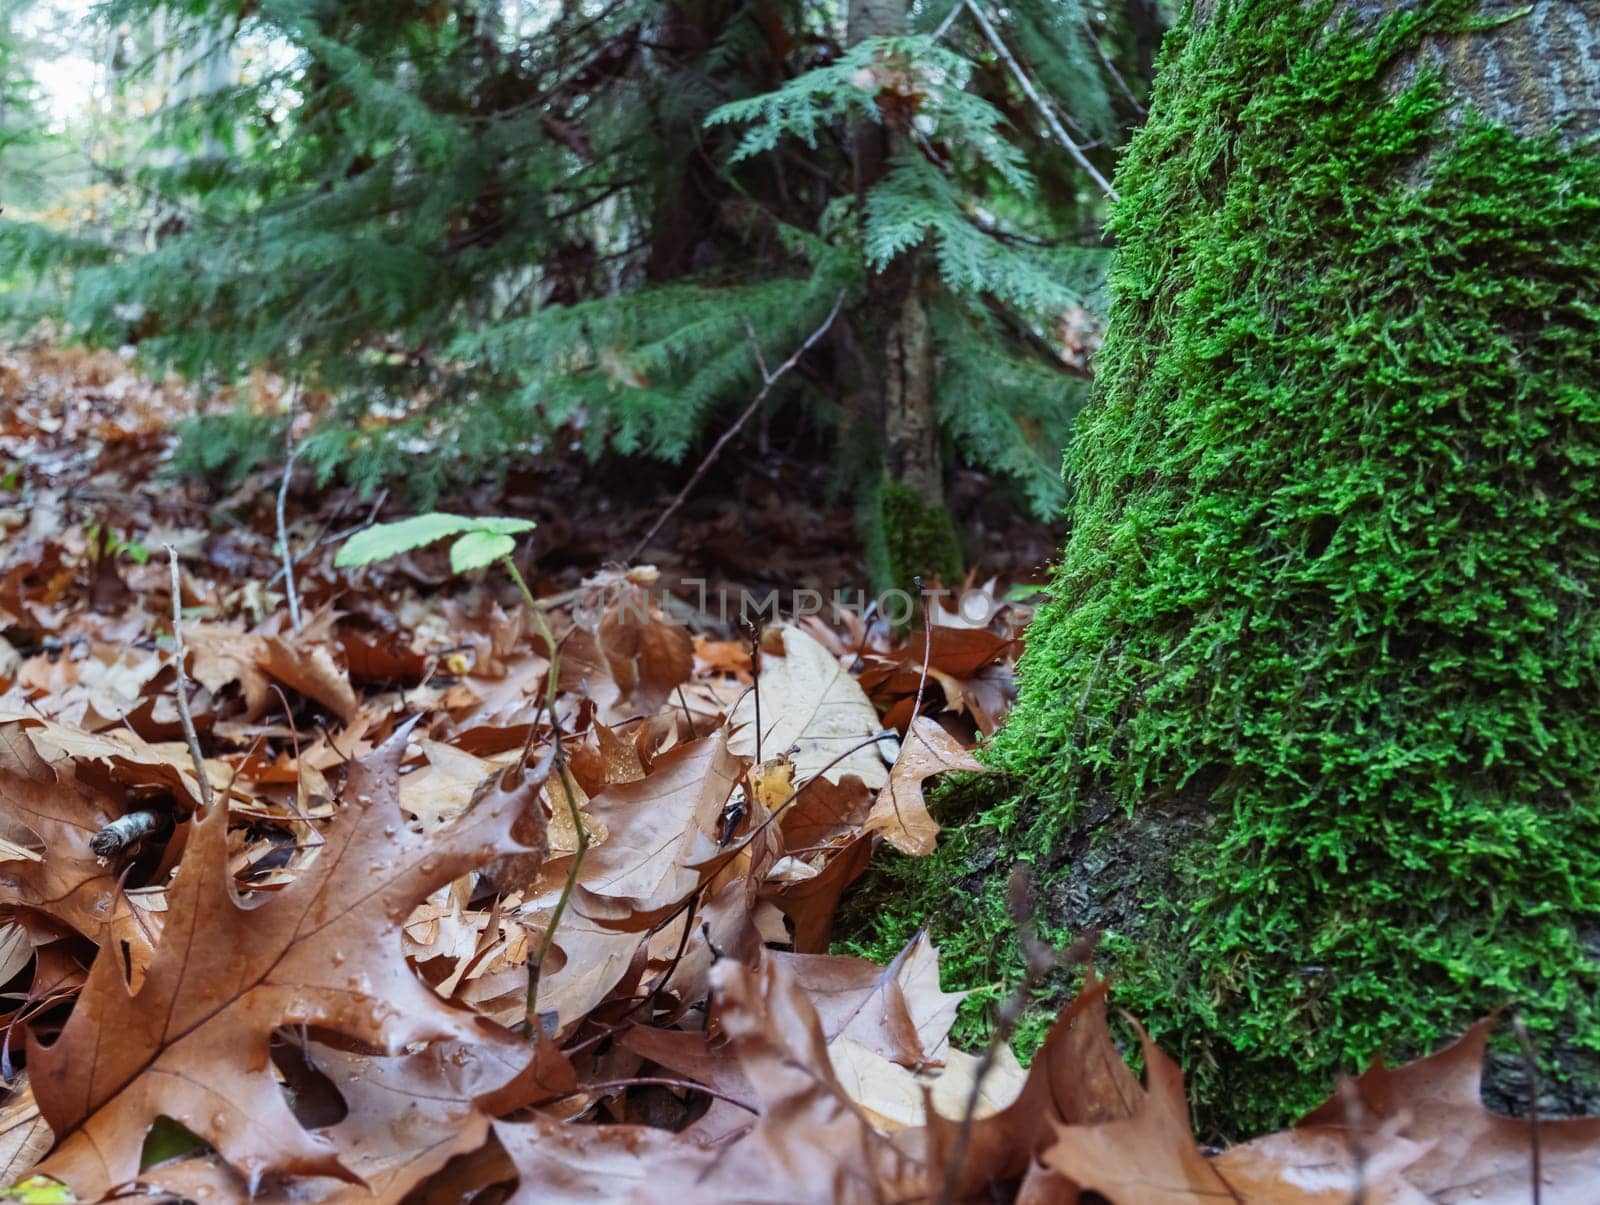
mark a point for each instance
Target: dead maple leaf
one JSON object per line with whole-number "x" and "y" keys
{"x": 322, "y": 951}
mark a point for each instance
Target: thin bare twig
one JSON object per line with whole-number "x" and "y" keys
{"x": 291, "y": 453}
{"x": 634, "y": 1081}
{"x": 189, "y": 734}
{"x": 949, "y": 20}
{"x": 1032, "y": 93}
{"x": 1111, "y": 69}
{"x": 768, "y": 380}
{"x": 283, "y": 540}
{"x": 1531, "y": 1065}
{"x": 568, "y": 789}
{"x": 1038, "y": 960}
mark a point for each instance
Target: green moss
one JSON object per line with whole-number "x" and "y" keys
{"x": 906, "y": 539}
{"x": 1335, "y": 540}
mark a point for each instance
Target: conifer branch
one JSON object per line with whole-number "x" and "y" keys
{"x": 768, "y": 380}
{"x": 1045, "y": 111}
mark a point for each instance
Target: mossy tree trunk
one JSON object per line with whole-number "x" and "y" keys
{"x": 903, "y": 396}
{"x": 1329, "y": 598}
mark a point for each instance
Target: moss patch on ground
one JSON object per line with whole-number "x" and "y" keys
{"x": 1329, "y": 593}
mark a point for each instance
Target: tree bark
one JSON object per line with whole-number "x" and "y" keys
{"x": 897, "y": 304}
{"x": 1324, "y": 618}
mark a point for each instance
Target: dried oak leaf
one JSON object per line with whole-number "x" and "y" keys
{"x": 898, "y": 1011}
{"x": 810, "y": 704}
{"x": 1472, "y": 1154}
{"x": 113, "y": 760}
{"x": 900, "y": 812}
{"x": 406, "y": 1117}
{"x": 811, "y": 1142}
{"x": 323, "y": 951}
{"x": 810, "y": 903}
{"x": 661, "y": 832}
{"x": 220, "y": 656}
{"x": 1150, "y": 1156}
{"x": 1076, "y": 1078}
{"x": 50, "y": 821}
{"x": 310, "y": 668}
{"x": 808, "y": 1143}
{"x": 563, "y": 1164}
{"x": 24, "y": 1136}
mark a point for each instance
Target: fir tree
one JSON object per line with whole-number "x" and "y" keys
{"x": 472, "y": 226}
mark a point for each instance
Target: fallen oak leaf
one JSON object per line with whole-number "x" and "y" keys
{"x": 811, "y": 705}
{"x": 562, "y": 1164}
{"x": 661, "y": 830}
{"x": 115, "y": 759}
{"x": 24, "y": 1136}
{"x": 1076, "y": 1078}
{"x": 1150, "y": 1156}
{"x": 62, "y": 878}
{"x": 896, "y": 1098}
{"x": 810, "y": 903}
{"x": 1326, "y": 1167}
{"x": 811, "y": 1142}
{"x": 309, "y": 668}
{"x": 406, "y": 1116}
{"x": 1470, "y": 1152}
{"x": 900, "y": 812}
{"x": 898, "y": 1011}
{"x": 322, "y": 951}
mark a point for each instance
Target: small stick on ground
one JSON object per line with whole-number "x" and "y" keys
{"x": 123, "y": 832}
{"x": 283, "y": 542}
{"x": 184, "y": 714}
{"x": 768, "y": 380}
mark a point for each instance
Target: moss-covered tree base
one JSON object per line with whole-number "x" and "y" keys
{"x": 1312, "y": 727}
{"x": 906, "y": 539}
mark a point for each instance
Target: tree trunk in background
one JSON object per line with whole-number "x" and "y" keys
{"x": 686, "y": 215}
{"x": 896, "y": 303}
{"x": 1311, "y": 726}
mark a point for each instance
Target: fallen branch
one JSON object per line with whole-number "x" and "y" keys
{"x": 768, "y": 380}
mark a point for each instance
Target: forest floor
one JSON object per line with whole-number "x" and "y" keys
{"x": 290, "y": 958}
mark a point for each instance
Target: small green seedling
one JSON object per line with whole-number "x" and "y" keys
{"x": 478, "y": 544}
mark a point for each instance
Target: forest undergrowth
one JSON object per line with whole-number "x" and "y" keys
{"x": 391, "y": 883}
